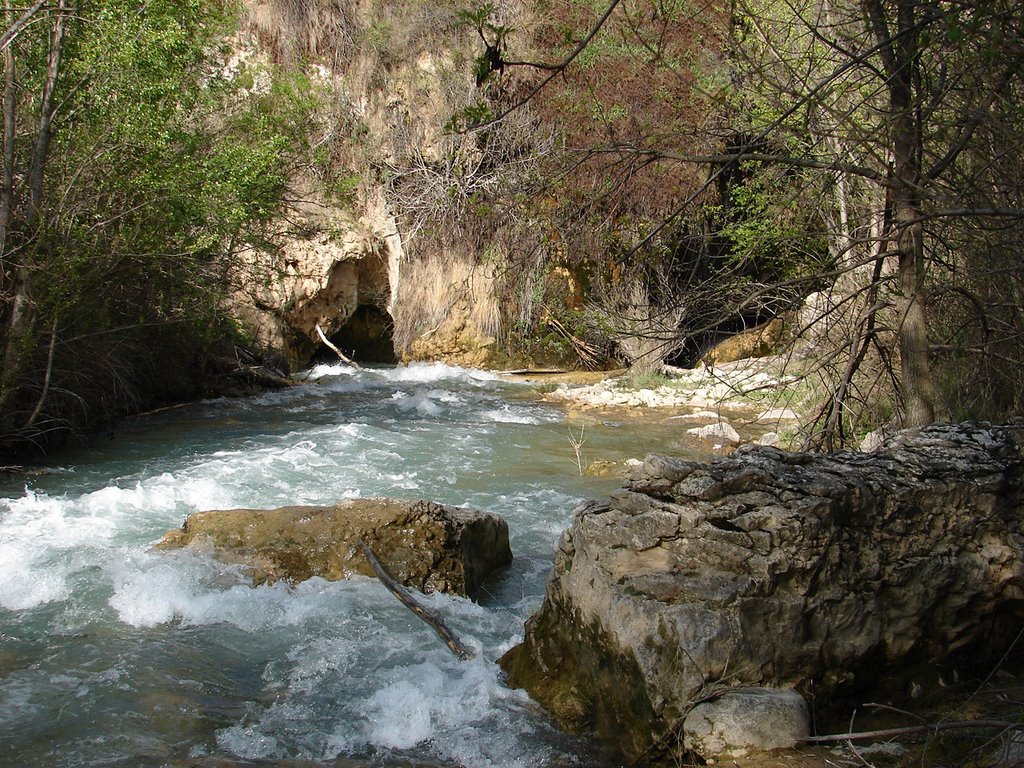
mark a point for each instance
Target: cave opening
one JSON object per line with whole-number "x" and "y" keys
{"x": 367, "y": 336}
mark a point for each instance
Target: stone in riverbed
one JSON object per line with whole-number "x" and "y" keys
{"x": 428, "y": 546}
{"x": 720, "y": 433}
{"x": 748, "y": 719}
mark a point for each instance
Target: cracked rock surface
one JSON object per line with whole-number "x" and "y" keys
{"x": 776, "y": 569}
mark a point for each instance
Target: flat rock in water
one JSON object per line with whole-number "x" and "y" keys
{"x": 430, "y": 547}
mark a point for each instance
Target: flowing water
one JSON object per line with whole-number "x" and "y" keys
{"x": 115, "y": 655}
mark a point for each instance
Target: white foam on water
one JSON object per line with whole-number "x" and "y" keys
{"x": 379, "y": 681}
{"x": 311, "y": 470}
{"x": 155, "y": 500}
{"x": 153, "y": 588}
{"x": 443, "y": 707}
{"x": 325, "y": 370}
{"x": 421, "y": 403}
{"x": 249, "y": 741}
{"x": 452, "y": 711}
{"x": 426, "y": 373}
{"x": 45, "y": 540}
{"x": 346, "y": 671}
{"x": 511, "y": 414}
{"x": 401, "y": 714}
{"x": 39, "y": 540}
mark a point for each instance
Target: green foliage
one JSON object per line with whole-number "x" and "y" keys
{"x": 161, "y": 169}
{"x": 769, "y": 227}
{"x": 494, "y": 36}
{"x": 474, "y": 114}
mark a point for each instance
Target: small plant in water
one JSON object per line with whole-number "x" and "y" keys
{"x": 577, "y": 446}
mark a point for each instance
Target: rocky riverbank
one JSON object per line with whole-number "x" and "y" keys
{"x": 714, "y": 408}
{"x": 740, "y": 385}
{"x": 779, "y": 571}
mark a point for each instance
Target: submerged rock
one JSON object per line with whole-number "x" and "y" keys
{"x": 776, "y": 569}
{"x": 428, "y": 546}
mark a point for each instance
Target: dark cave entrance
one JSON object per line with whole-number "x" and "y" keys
{"x": 366, "y": 336}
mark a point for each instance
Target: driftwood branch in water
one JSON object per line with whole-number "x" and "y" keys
{"x": 334, "y": 349}
{"x": 435, "y": 621}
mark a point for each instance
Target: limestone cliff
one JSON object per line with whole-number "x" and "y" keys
{"x": 368, "y": 246}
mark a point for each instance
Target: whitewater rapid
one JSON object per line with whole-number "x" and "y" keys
{"x": 113, "y": 654}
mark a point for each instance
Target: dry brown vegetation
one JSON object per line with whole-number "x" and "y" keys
{"x": 294, "y": 31}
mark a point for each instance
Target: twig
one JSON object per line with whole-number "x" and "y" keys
{"x": 435, "y": 621}
{"x": 995, "y": 669}
{"x": 47, "y": 379}
{"x": 896, "y": 710}
{"x": 852, "y": 747}
{"x": 338, "y": 352}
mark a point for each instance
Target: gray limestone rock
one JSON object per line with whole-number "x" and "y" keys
{"x": 777, "y": 569}
{"x": 748, "y": 719}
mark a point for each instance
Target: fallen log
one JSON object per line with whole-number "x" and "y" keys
{"x": 436, "y": 622}
{"x": 929, "y": 729}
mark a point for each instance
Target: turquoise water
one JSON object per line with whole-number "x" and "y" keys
{"x": 112, "y": 654}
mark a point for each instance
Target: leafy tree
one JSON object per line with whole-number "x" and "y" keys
{"x": 891, "y": 99}
{"x": 135, "y": 173}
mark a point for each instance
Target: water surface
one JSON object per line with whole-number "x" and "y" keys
{"x": 112, "y": 654}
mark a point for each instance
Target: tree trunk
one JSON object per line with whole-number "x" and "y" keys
{"x": 47, "y": 109}
{"x": 7, "y": 182}
{"x": 918, "y": 394}
{"x": 20, "y": 315}
{"x": 899, "y": 52}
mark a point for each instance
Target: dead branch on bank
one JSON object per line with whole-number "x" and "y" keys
{"x": 913, "y": 730}
{"x": 588, "y": 355}
{"x": 436, "y": 622}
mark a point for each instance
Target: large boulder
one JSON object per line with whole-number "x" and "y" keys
{"x": 424, "y": 545}
{"x": 778, "y": 570}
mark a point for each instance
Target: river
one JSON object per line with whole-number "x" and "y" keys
{"x": 112, "y": 654}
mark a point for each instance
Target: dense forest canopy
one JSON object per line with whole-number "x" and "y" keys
{"x": 641, "y": 176}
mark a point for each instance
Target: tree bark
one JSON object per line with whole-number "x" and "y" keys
{"x": 7, "y": 182}
{"x": 456, "y": 646}
{"x": 47, "y": 109}
{"x": 899, "y": 50}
